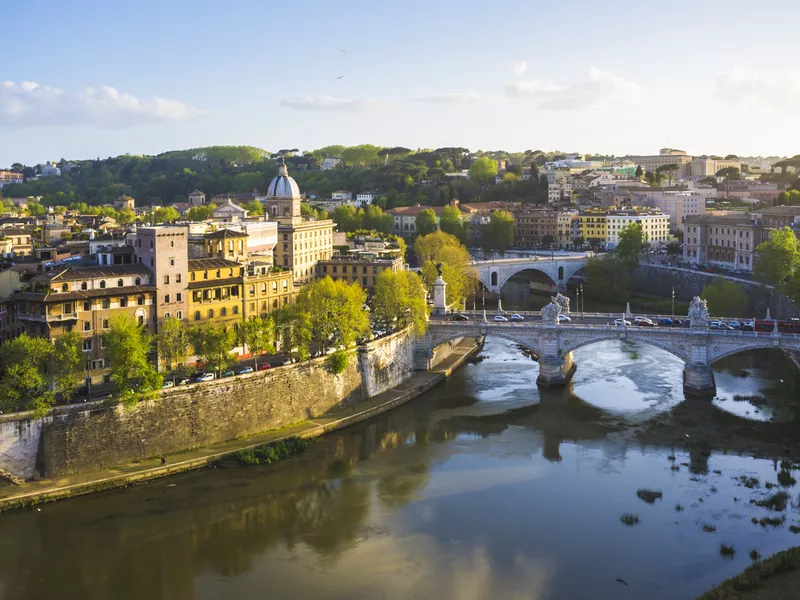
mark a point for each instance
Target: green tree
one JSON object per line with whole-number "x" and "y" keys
{"x": 172, "y": 342}
{"x": 347, "y": 218}
{"x": 483, "y": 170}
{"x": 498, "y": 234}
{"x": 632, "y": 240}
{"x": 200, "y": 213}
{"x": 639, "y": 172}
{"x": 729, "y": 173}
{"x": 608, "y": 280}
{"x": 399, "y": 300}
{"x": 335, "y": 312}
{"x": 426, "y": 222}
{"x": 374, "y": 219}
{"x": 777, "y": 258}
{"x": 213, "y": 343}
{"x": 450, "y": 221}
{"x": 725, "y": 298}
{"x": 788, "y": 198}
{"x": 23, "y": 381}
{"x": 293, "y": 332}
{"x": 165, "y": 215}
{"x": 258, "y": 335}
{"x": 125, "y": 216}
{"x": 668, "y": 171}
{"x": 128, "y": 345}
{"x": 67, "y": 364}
{"x": 254, "y": 208}
{"x": 457, "y": 272}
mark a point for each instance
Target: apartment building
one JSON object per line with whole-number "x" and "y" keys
{"x": 215, "y": 287}
{"x": 728, "y": 241}
{"x": 362, "y": 268}
{"x": 535, "y": 228}
{"x": 777, "y": 217}
{"x": 8, "y": 177}
{"x": 265, "y": 288}
{"x": 666, "y": 156}
{"x": 593, "y": 225}
{"x": 165, "y": 251}
{"x": 764, "y": 192}
{"x": 676, "y": 205}
{"x": 226, "y": 244}
{"x": 568, "y": 223}
{"x": 655, "y": 226}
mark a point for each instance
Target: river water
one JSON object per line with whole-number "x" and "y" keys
{"x": 485, "y": 487}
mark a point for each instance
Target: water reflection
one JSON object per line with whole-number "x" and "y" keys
{"x": 485, "y": 487}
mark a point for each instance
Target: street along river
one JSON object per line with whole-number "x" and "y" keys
{"x": 485, "y": 487}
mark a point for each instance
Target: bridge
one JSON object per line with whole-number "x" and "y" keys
{"x": 697, "y": 345}
{"x": 493, "y": 274}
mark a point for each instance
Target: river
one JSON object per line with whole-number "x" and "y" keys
{"x": 485, "y": 487}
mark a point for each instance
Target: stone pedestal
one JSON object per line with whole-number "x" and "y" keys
{"x": 439, "y": 297}
{"x": 555, "y": 371}
{"x": 698, "y": 380}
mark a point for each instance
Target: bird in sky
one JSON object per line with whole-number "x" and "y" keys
{"x": 340, "y": 77}
{"x": 342, "y": 50}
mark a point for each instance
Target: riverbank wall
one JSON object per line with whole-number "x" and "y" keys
{"x": 45, "y": 490}
{"x": 86, "y": 437}
{"x": 660, "y": 280}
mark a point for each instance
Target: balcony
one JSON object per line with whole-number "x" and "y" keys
{"x": 73, "y": 316}
{"x": 40, "y": 318}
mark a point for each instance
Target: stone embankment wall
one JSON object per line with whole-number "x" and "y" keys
{"x": 688, "y": 284}
{"x": 87, "y": 437}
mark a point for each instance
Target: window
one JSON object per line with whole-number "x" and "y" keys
{"x": 172, "y": 243}
{"x": 210, "y": 313}
{"x": 87, "y": 325}
{"x": 178, "y": 297}
{"x": 197, "y": 315}
{"x": 236, "y": 310}
{"x": 83, "y": 285}
{"x": 193, "y": 276}
{"x": 234, "y": 291}
{"x": 166, "y": 316}
{"x": 205, "y": 274}
{"x": 138, "y": 281}
{"x": 263, "y": 288}
{"x": 106, "y": 303}
{"x": 123, "y": 302}
{"x": 102, "y": 285}
{"x": 87, "y": 345}
{"x": 67, "y": 308}
{"x": 103, "y": 344}
{"x": 166, "y": 299}
{"x": 252, "y": 290}
{"x": 105, "y": 323}
{"x": 178, "y": 278}
{"x": 151, "y": 262}
{"x": 223, "y": 312}
{"x": 274, "y": 286}
{"x": 179, "y": 315}
{"x": 166, "y": 279}
{"x": 119, "y": 283}
{"x": 285, "y": 284}
{"x": 171, "y": 262}
{"x": 87, "y": 305}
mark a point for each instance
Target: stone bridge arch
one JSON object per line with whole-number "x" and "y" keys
{"x": 678, "y": 349}
{"x": 718, "y": 352}
{"x": 494, "y": 275}
{"x": 530, "y": 343}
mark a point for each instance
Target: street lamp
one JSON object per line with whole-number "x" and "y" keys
{"x": 673, "y": 300}
{"x": 583, "y": 300}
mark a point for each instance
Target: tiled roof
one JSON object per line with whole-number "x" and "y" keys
{"x": 204, "y": 264}
{"x": 80, "y": 273}
{"x": 222, "y": 234}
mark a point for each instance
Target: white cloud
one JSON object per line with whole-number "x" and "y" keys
{"x": 519, "y": 67}
{"x": 596, "y": 88}
{"x": 744, "y": 88}
{"x": 323, "y": 103}
{"x": 451, "y": 97}
{"x": 28, "y": 104}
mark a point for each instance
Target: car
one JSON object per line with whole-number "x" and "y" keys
{"x": 183, "y": 381}
{"x": 666, "y": 321}
{"x": 646, "y": 323}
{"x": 516, "y": 317}
{"x": 168, "y": 384}
{"x": 748, "y": 326}
{"x": 459, "y": 317}
{"x": 637, "y": 319}
{"x": 715, "y": 324}
{"x": 500, "y": 318}
{"x": 734, "y": 325}
{"x": 228, "y": 373}
{"x": 563, "y": 319}
{"x": 206, "y": 377}
{"x": 264, "y": 367}
{"x": 620, "y": 322}
{"x": 245, "y": 370}
{"x": 724, "y": 327}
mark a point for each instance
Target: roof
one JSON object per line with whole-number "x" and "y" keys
{"x": 789, "y": 211}
{"x": 80, "y": 273}
{"x": 85, "y": 294}
{"x": 228, "y": 205}
{"x": 204, "y": 283}
{"x": 204, "y": 264}
{"x": 196, "y": 193}
{"x": 221, "y": 234}
{"x": 730, "y": 219}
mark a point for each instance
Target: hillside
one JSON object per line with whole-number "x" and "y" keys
{"x": 233, "y": 154}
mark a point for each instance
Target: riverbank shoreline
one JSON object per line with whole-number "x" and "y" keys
{"x": 48, "y": 490}
{"x": 774, "y": 578}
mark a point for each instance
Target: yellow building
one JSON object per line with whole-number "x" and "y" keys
{"x": 266, "y": 288}
{"x": 594, "y": 225}
{"x": 362, "y": 268}
{"x": 225, "y": 243}
{"x": 215, "y": 291}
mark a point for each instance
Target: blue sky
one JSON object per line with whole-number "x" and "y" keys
{"x": 108, "y": 78}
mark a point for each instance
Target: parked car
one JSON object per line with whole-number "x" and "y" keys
{"x": 516, "y": 317}
{"x": 667, "y": 322}
{"x": 500, "y": 318}
{"x": 734, "y": 325}
{"x": 206, "y": 377}
{"x": 646, "y": 323}
{"x": 748, "y": 326}
{"x": 620, "y": 322}
{"x": 228, "y": 373}
{"x": 183, "y": 381}
{"x": 459, "y": 317}
{"x": 245, "y": 370}
{"x": 563, "y": 319}
{"x": 264, "y": 367}
{"x": 168, "y": 384}
{"x": 637, "y": 319}
{"x": 714, "y": 324}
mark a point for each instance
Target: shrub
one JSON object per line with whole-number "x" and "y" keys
{"x": 649, "y": 496}
{"x": 337, "y": 362}
{"x": 629, "y": 519}
{"x": 270, "y": 453}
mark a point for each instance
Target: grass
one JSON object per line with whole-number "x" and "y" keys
{"x": 270, "y": 453}
{"x": 748, "y": 482}
{"x": 713, "y": 490}
{"x": 794, "y": 528}
{"x": 785, "y": 479}
{"x": 717, "y": 472}
{"x": 675, "y": 468}
{"x": 709, "y": 528}
{"x": 649, "y": 496}
{"x": 629, "y": 519}
{"x": 769, "y": 485}
{"x": 776, "y": 501}
{"x": 754, "y": 555}
{"x": 727, "y": 551}
{"x": 771, "y": 521}
{"x": 756, "y": 575}
{"x": 678, "y": 508}
{"x": 671, "y": 458}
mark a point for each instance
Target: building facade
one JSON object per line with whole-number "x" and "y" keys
{"x": 655, "y": 226}
{"x": 363, "y": 268}
{"x": 727, "y": 241}
{"x": 165, "y": 251}
{"x": 535, "y": 228}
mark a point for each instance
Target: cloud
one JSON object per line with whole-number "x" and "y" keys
{"x": 323, "y": 103}
{"x": 28, "y": 104}
{"x": 742, "y": 88}
{"x": 596, "y": 88}
{"x": 519, "y": 67}
{"x": 450, "y": 97}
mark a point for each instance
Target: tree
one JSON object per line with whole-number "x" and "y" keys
{"x": 165, "y": 215}
{"x": 172, "y": 342}
{"x": 347, "y": 218}
{"x": 335, "y": 312}
{"x": 632, "y": 240}
{"x": 725, "y": 298}
{"x": 426, "y": 222}
{"x": 200, "y": 213}
{"x": 499, "y": 233}
{"x": 293, "y": 332}
{"x": 673, "y": 248}
{"x": 729, "y": 173}
{"x": 67, "y": 364}
{"x": 254, "y": 208}
{"x": 788, "y": 198}
{"x": 483, "y": 170}
{"x": 399, "y": 300}
{"x": 257, "y": 336}
{"x": 213, "y": 344}
{"x": 607, "y": 280}
{"x": 127, "y": 347}
{"x": 668, "y": 170}
{"x": 777, "y": 258}
{"x": 457, "y": 273}
{"x": 450, "y": 221}
{"x": 639, "y": 172}
{"x": 708, "y": 181}
{"x": 23, "y": 384}
{"x": 125, "y": 216}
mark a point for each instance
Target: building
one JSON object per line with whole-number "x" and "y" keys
{"x": 765, "y": 192}
{"x": 728, "y": 241}
{"x": 677, "y": 205}
{"x": 9, "y": 285}
{"x": 778, "y": 217}
{"x": 229, "y": 213}
{"x": 342, "y": 196}
{"x": 50, "y": 170}
{"x": 329, "y": 163}
{"x": 85, "y": 299}
{"x": 53, "y": 233}
{"x": 9, "y": 177}
{"x": 666, "y": 156}
{"x": 705, "y": 166}
{"x": 301, "y": 242}
{"x": 362, "y": 268}
{"x": 165, "y": 251}
{"x": 197, "y": 198}
{"x": 225, "y": 243}
{"x": 655, "y": 226}
{"x": 125, "y": 202}
{"x": 266, "y": 288}
{"x": 535, "y": 228}
{"x": 17, "y": 242}
{"x": 366, "y": 198}
{"x": 215, "y": 288}
{"x": 568, "y": 223}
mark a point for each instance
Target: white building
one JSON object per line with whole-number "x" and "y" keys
{"x": 50, "y": 170}
{"x": 654, "y": 224}
{"x": 329, "y": 163}
{"x": 366, "y": 198}
{"x": 342, "y": 196}
{"x": 229, "y": 213}
{"x": 677, "y": 205}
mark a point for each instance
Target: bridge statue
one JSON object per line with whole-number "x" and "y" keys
{"x": 563, "y": 302}
{"x": 698, "y": 313}
{"x": 550, "y": 313}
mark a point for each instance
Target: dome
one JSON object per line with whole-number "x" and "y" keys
{"x": 283, "y": 186}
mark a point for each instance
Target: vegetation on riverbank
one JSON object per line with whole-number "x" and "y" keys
{"x": 769, "y": 578}
{"x": 270, "y": 453}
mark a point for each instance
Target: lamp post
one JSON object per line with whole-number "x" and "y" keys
{"x": 673, "y": 300}
{"x": 583, "y": 300}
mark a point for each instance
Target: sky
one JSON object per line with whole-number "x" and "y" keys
{"x": 620, "y": 77}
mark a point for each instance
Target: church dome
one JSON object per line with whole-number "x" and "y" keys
{"x": 283, "y": 186}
